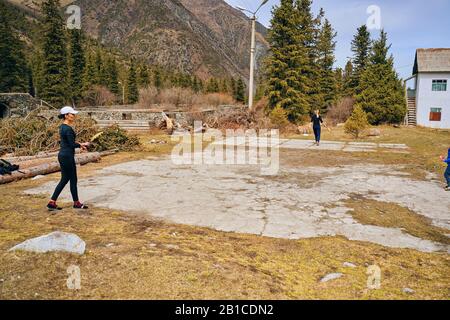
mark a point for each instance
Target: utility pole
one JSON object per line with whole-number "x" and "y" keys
{"x": 251, "y": 82}
{"x": 123, "y": 92}
{"x": 252, "y": 64}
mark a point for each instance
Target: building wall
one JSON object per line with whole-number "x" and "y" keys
{"x": 427, "y": 99}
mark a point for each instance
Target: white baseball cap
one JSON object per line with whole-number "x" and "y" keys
{"x": 68, "y": 110}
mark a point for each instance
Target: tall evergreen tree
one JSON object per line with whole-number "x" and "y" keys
{"x": 54, "y": 88}
{"x": 233, "y": 87}
{"x": 132, "y": 92}
{"x": 144, "y": 77}
{"x": 361, "y": 46}
{"x": 381, "y": 92}
{"x": 37, "y": 67}
{"x": 76, "y": 65}
{"x": 212, "y": 86}
{"x": 240, "y": 91}
{"x": 327, "y": 86}
{"x": 101, "y": 77}
{"x": 90, "y": 74}
{"x": 348, "y": 89}
{"x": 14, "y": 72}
{"x": 339, "y": 79}
{"x": 288, "y": 66}
{"x": 112, "y": 76}
{"x": 157, "y": 79}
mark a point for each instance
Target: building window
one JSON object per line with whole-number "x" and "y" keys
{"x": 435, "y": 114}
{"x": 439, "y": 85}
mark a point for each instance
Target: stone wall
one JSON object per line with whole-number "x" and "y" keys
{"x": 153, "y": 117}
{"x": 17, "y": 104}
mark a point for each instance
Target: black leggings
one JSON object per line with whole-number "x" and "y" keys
{"x": 68, "y": 173}
{"x": 317, "y": 132}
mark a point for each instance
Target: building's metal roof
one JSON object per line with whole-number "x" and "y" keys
{"x": 432, "y": 60}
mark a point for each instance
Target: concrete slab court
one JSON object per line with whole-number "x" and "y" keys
{"x": 310, "y": 145}
{"x": 239, "y": 199}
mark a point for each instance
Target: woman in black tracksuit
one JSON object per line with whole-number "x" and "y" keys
{"x": 317, "y": 121}
{"x": 66, "y": 158}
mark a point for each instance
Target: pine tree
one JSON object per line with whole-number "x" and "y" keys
{"x": 90, "y": 75}
{"x": 233, "y": 87}
{"x": 100, "y": 70}
{"x": 113, "y": 77}
{"x": 288, "y": 65}
{"x": 240, "y": 91}
{"x": 54, "y": 88}
{"x": 144, "y": 77}
{"x": 381, "y": 92}
{"x": 157, "y": 79}
{"x": 361, "y": 45}
{"x": 357, "y": 122}
{"x": 348, "y": 89}
{"x": 310, "y": 28}
{"x": 196, "y": 84}
{"x": 339, "y": 80}
{"x": 14, "y": 73}
{"x": 132, "y": 92}
{"x": 76, "y": 65}
{"x": 212, "y": 86}
{"x": 327, "y": 86}
{"x": 37, "y": 71}
{"x": 224, "y": 86}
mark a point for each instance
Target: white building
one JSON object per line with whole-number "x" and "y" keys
{"x": 429, "y": 103}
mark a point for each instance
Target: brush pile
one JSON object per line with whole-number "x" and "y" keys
{"x": 32, "y": 135}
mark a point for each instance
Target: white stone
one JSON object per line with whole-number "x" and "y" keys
{"x": 408, "y": 290}
{"x": 349, "y": 265}
{"x": 55, "y": 241}
{"x": 331, "y": 276}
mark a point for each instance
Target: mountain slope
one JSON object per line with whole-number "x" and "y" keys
{"x": 202, "y": 37}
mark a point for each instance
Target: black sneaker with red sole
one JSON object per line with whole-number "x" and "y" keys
{"x": 53, "y": 207}
{"x": 80, "y": 206}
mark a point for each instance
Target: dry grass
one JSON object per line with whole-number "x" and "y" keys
{"x": 182, "y": 99}
{"x": 391, "y": 215}
{"x": 129, "y": 257}
{"x": 426, "y": 145}
{"x": 150, "y": 259}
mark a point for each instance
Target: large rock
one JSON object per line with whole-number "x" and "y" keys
{"x": 55, "y": 241}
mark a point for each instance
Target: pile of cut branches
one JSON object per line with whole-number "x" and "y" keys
{"x": 34, "y": 134}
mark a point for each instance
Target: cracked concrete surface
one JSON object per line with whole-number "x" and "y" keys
{"x": 239, "y": 199}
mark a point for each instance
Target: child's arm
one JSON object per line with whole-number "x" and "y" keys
{"x": 446, "y": 160}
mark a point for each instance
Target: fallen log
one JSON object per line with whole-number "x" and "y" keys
{"x": 48, "y": 168}
{"x": 42, "y": 155}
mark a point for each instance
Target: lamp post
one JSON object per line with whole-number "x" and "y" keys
{"x": 252, "y": 52}
{"x": 123, "y": 92}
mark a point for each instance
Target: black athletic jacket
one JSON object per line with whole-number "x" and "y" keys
{"x": 316, "y": 120}
{"x": 68, "y": 144}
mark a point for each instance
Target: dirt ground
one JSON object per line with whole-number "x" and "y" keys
{"x": 132, "y": 256}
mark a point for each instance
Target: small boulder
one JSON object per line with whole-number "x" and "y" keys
{"x": 55, "y": 241}
{"x": 374, "y": 132}
{"x": 408, "y": 290}
{"x": 349, "y": 265}
{"x": 331, "y": 276}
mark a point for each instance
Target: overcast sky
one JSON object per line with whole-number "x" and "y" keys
{"x": 410, "y": 24}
